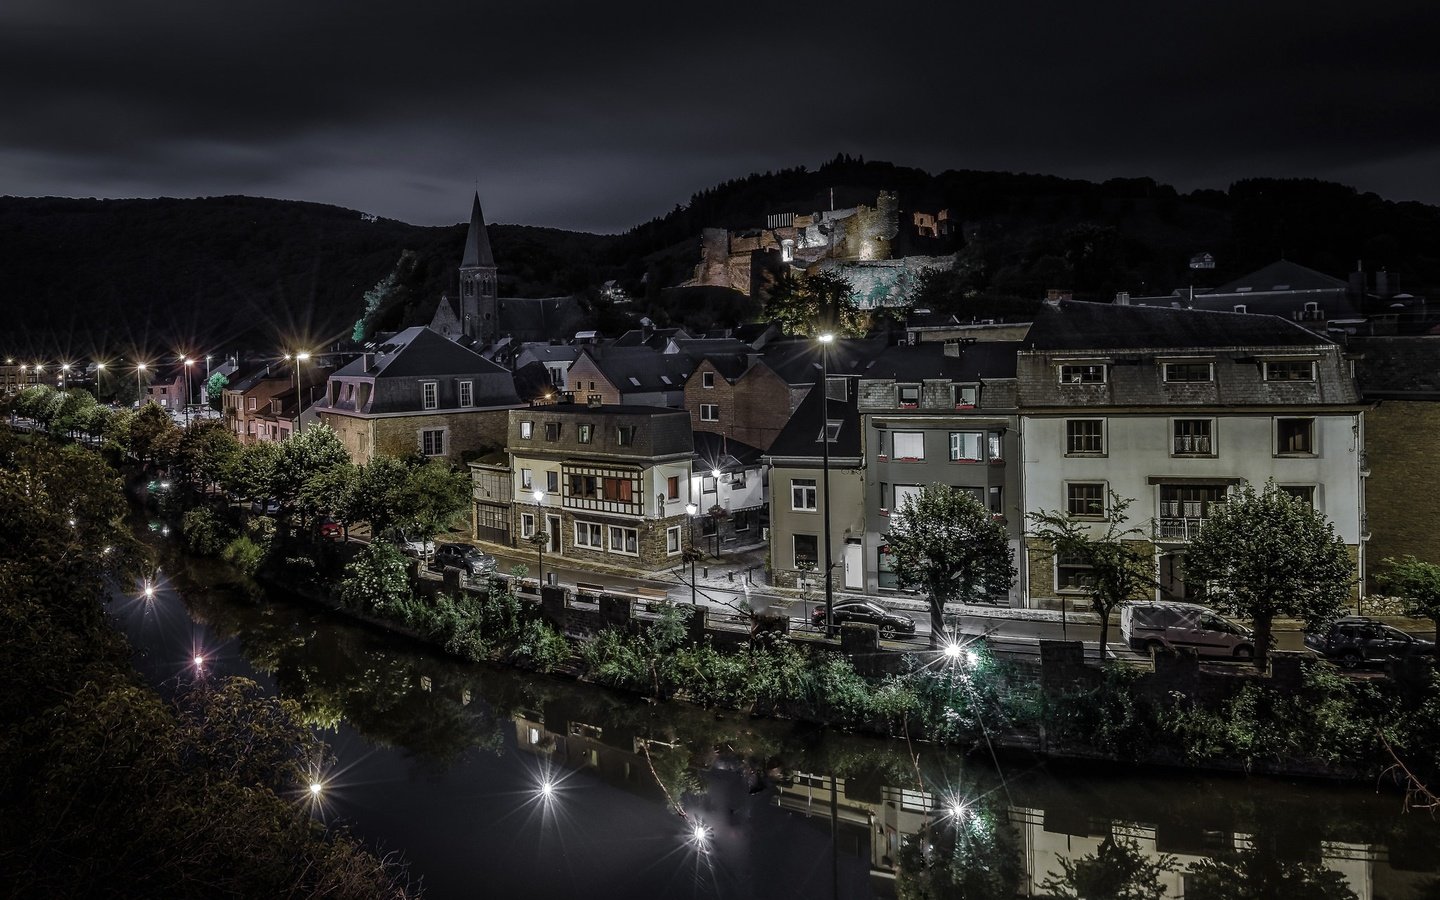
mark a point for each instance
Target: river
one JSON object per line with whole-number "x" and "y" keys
{"x": 488, "y": 782}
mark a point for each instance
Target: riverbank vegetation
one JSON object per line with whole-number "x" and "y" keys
{"x": 106, "y": 786}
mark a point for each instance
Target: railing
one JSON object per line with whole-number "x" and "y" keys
{"x": 1192, "y": 443}
{"x": 1178, "y": 529}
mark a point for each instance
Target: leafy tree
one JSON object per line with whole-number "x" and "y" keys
{"x": 1121, "y": 566}
{"x": 305, "y": 457}
{"x": 374, "y": 495}
{"x": 215, "y": 389}
{"x": 254, "y": 472}
{"x": 154, "y": 436}
{"x": 1265, "y": 554}
{"x": 207, "y": 452}
{"x": 947, "y": 543}
{"x": 1118, "y": 870}
{"x": 204, "y": 532}
{"x": 386, "y": 293}
{"x": 73, "y": 413}
{"x": 1417, "y": 584}
{"x": 813, "y": 304}
{"x": 1259, "y": 873}
{"x": 377, "y": 580}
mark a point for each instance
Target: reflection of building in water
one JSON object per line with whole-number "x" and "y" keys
{"x": 614, "y": 755}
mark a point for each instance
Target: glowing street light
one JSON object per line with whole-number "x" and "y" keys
{"x": 953, "y": 650}
{"x": 189, "y": 393}
{"x": 139, "y": 391}
{"x": 700, "y": 837}
{"x": 315, "y": 788}
{"x": 199, "y": 661}
{"x": 826, "y": 339}
{"x": 541, "y": 537}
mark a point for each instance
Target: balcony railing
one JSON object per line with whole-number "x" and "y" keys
{"x": 1168, "y": 528}
{"x": 1192, "y": 443}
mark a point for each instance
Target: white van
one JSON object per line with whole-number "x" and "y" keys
{"x": 1169, "y": 626}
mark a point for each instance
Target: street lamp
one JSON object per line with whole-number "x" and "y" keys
{"x": 541, "y": 537}
{"x": 714, "y": 520}
{"x": 189, "y": 394}
{"x": 825, "y": 340}
{"x": 692, "y": 553}
{"x": 64, "y": 373}
{"x": 139, "y": 391}
{"x": 299, "y": 357}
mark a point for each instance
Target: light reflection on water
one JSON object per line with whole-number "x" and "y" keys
{"x": 488, "y": 781}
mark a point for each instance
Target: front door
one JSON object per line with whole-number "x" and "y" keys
{"x": 854, "y": 565}
{"x": 552, "y": 528}
{"x": 1172, "y": 576}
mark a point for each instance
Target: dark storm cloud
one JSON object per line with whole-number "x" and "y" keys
{"x": 599, "y": 116}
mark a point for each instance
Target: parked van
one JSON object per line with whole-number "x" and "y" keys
{"x": 1169, "y": 626}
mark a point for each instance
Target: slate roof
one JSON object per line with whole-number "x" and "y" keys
{"x": 800, "y": 438}
{"x": 477, "y": 240}
{"x": 1398, "y": 367}
{"x": 1283, "y": 275}
{"x": 1077, "y": 325}
{"x": 974, "y": 362}
{"x": 655, "y": 338}
{"x": 418, "y": 351}
{"x": 797, "y": 361}
{"x": 1279, "y": 289}
{"x": 715, "y": 451}
{"x": 641, "y": 368}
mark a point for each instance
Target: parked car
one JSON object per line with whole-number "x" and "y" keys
{"x": 891, "y": 624}
{"x": 270, "y": 507}
{"x": 1172, "y": 625}
{"x": 462, "y": 556}
{"x": 1357, "y": 640}
{"x": 329, "y": 529}
{"x": 411, "y": 546}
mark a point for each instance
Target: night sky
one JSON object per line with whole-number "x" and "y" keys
{"x": 598, "y": 116}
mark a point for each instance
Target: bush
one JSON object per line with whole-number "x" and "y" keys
{"x": 378, "y": 581}
{"x": 245, "y": 555}
{"x": 204, "y": 532}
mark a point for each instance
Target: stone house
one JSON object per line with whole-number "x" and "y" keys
{"x": 1172, "y": 408}
{"x": 604, "y": 483}
{"x": 418, "y": 392}
{"x": 937, "y": 414}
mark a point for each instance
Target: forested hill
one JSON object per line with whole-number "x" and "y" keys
{"x": 85, "y": 276}
{"x": 152, "y": 276}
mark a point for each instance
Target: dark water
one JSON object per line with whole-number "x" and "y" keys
{"x": 445, "y": 763}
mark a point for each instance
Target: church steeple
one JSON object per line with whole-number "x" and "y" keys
{"x": 479, "y": 302}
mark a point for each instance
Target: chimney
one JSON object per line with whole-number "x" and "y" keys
{"x": 1384, "y": 286}
{"x": 1357, "y": 279}
{"x": 595, "y": 400}
{"x": 1122, "y": 298}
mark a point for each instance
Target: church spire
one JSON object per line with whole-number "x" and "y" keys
{"x": 477, "y": 242}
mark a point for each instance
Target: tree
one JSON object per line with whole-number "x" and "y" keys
{"x": 373, "y": 496}
{"x": 947, "y": 543}
{"x": 1266, "y": 553}
{"x": 1120, "y": 565}
{"x": 207, "y": 452}
{"x": 215, "y": 389}
{"x": 1118, "y": 870}
{"x": 253, "y": 472}
{"x": 154, "y": 436}
{"x": 1260, "y": 873}
{"x": 813, "y": 304}
{"x": 377, "y": 580}
{"x": 433, "y": 495}
{"x": 1417, "y": 584}
{"x": 307, "y": 457}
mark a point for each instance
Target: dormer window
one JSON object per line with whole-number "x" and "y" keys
{"x": 625, "y": 435}
{"x": 1290, "y": 370}
{"x": 1083, "y": 373}
{"x": 1188, "y": 372}
{"x": 909, "y": 396}
{"x": 966, "y": 396}
{"x": 429, "y": 395}
{"x": 527, "y": 430}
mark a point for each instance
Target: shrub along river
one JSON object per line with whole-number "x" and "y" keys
{"x": 488, "y": 782}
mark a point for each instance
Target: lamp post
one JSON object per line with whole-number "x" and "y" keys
{"x": 100, "y": 378}
{"x": 690, "y": 510}
{"x": 139, "y": 391}
{"x": 825, "y": 340}
{"x": 300, "y": 357}
{"x": 715, "y": 520}
{"x": 189, "y": 394}
{"x": 541, "y": 537}
{"x": 64, "y": 375}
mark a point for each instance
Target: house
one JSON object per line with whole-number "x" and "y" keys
{"x": 1172, "y": 408}
{"x": 248, "y": 395}
{"x": 937, "y": 414}
{"x": 418, "y": 392}
{"x": 1312, "y": 299}
{"x": 556, "y": 358}
{"x": 603, "y": 483}
{"x": 168, "y": 387}
{"x": 288, "y": 411}
{"x": 730, "y": 491}
{"x": 741, "y": 397}
{"x": 1400, "y": 376}
{"x": 629, "y": 376}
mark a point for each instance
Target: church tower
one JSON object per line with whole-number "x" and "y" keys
{"x": 479, "y": 300}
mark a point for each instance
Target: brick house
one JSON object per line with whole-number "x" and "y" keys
{"x": 740, "y": 397}
{"x": 417, "y": 392}
{"x": 248, "y": 397}
{"x": 629, "y": 376}
{"x": 167, "y": 388}
{"x": 613, "y": 481}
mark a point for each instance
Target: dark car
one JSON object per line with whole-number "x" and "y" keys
{"x": 462, "y": 556}
{"x": 890, "y": 624}
{"x": 1357, "y": 640}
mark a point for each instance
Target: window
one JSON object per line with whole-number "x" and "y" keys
{"x": 1073, "y": 572}
{"x": 740, "y": 521}
{"x": 965, "y": 395}
{"x": 908, "y": 445}
{"x": 802, "y": 494}
{"x": 1188, "y": 372}
{"x": 672, "y": 487}
{"x": 1240, "y": 308}
{"x": 832, "y": 430}
{"x": 672, "y": 540}
{"x": 1193, "y": 437}
{"x": 1305, "y": 493}
{"x": 584, "y": 487}
{"x": 527, "y": 480}
{"x": 904, "y": 492}
{"x": 432, "y": 442}
{"x": 1290, "y": 370}
{"x": 1085, "y": 499}
{"x": 1085, "y": 436}
{"x": 587, "y": 534}
{"x": 1294, "y": 436}
{"x": 707, "y": 379}
{"x": 996, "y": 449}
{"x": 527, "y": 525}
{"x": 909, "y": 396}
{"x": 552, "y": 431}
{"x": 252, "y": 404}
{"x": 527, "y": 430}
{"x": 708, "y": 484}
{"x": 583, "y": 433}
{"x": 807, "y": 551}
{"x": 1083, "y": 373}
{"x": 429, "y": 394}
{"x": 737, "y": 480}
{"x": 619, "y": 489}
{"x": 625, "y": 435}
{"x": 709, "y": 412}
{"x": 624, "y": 540}
{"x": 965, "y": 446}
{"x": 552, "y": 482}
{"x": 996, "y": 500}
{"x": 467, "y": 393}
{"x": 837, "y": 389}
